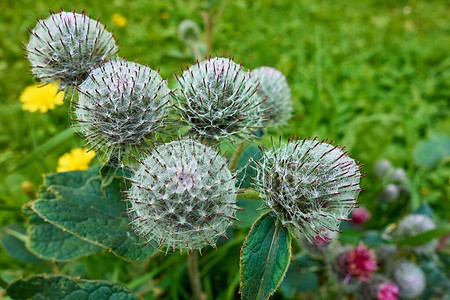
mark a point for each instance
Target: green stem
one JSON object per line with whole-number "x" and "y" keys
{"x": 236, "y": 156}
{"x": 194, "y": 276}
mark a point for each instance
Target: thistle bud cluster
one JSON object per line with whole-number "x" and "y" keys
{"x": 217, "y": 99}
{"x": 120, "y": 105}
{"x": 309, "y": 185}
{"x": 66, "y": 45}
{"x": 182, "y": 196}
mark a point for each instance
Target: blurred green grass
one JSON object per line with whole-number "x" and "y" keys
{"x": 371, "y": 75}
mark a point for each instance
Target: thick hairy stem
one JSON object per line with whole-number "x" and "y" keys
{"x": 236, "y": 156}
{"x": 194, "y": 276}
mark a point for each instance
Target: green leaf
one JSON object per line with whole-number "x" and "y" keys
{"x": 424, "y": 237}
{"x": 66, "y": 288}
{"x": 301, "y": 276}
{"x": 52, "y": 243}
{"x": 73, "y": 179}
{"x": 245, "y": 166}
{"x": 265, "y": 257}
{"x": 426, "y": 210}
{"x": 13, "y": 239}
{"x": 430, "y": 153}
{"x": 90, "y": 215}
{"x": 250, "y": 213}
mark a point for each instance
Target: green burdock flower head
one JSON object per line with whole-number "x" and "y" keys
{"x": 217, "y": 99}
{"x": 412, "y": 225}
{"x": 309, "y": 185}
{"x": 410, "y": 279}
{"x": 183, "y": 196}
{"x": 273, "y": 86}
{"x": 66, "y": 45}
{"x": 121, "y": 106}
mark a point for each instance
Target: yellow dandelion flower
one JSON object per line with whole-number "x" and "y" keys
{"x": 41, "y": 97}
{"x": 76, "y": 159}
{"x": 119, "y": 20}
{"x": 164, "y": 15}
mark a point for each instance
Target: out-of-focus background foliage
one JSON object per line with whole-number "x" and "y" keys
{"x": 373, "y": 76}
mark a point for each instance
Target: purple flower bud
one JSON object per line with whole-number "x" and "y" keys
{"x": 379, "y": 288}
{"x": 358, "y": 263}
{"x": 360, "y": 215}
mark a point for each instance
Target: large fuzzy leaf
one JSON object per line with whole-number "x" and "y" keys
{"x": 89, "y": 214}
{"x": 13, "y": 239}
{"x": 53, "y": 243}
{"x": 265, "y": 257}
{"x": 66, "y": 288}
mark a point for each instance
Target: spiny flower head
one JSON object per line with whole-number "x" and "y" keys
{"x": 412, "y": 225}
{"x": 76, "y": 159}
{"x": 309, "y": 185}
{"x": 360, "y": 215}
{"x": 121, "y": 104}
{"x": 41, "y": 97}
{"x": 410, "y": 279}
{"x": 66, "y": 45}
{"x": 273, "y": 85}
{"x": 217, "y": 99}
{"x": 379, "y": 288}
{"x": 358, "y": 263}
{"x": 182, "y": 196}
